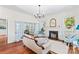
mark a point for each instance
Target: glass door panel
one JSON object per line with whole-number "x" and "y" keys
{"x": 26, "y": 28}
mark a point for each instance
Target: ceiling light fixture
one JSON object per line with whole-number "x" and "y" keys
{"x": 39, "y": 15}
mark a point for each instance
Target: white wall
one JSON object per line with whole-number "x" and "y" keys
{"x": 13, "y": 16}
{"x": 60, "y": 21}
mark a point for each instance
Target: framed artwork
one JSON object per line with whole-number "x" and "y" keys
{"x": 69, "y": 22}
{"x": 53, "y": 22}
{"x": 3, "y": 24}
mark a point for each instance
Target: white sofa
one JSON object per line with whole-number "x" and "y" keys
{"x": 55, "y": 46}
{"x": 34, "y": 47}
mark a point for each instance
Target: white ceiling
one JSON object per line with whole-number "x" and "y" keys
{"x": 46, "y": 9}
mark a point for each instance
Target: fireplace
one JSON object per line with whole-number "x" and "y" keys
{"x": 53, "y": 35}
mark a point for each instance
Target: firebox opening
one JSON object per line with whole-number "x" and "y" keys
{"x": 53, "y": 35}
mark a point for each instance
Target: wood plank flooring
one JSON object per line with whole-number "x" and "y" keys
{"x": 73, "y": 50}
{"x": 15, "y": 48}
{"x": 19, "y": 48}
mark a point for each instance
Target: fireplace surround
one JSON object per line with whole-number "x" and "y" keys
{"x": 53, "y": 35}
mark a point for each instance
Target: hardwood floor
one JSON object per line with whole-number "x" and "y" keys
{"x": 15, "y": 48}
{"x": 73, "y": 50}
{"x": 19, "y": 48}
{"x": 3, "y": 40}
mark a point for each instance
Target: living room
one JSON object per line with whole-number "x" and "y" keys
{"x": 56, "y": 24}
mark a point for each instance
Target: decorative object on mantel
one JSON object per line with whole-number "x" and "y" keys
{"x": 69, "y": 22}
{"x": 53, "y": 22}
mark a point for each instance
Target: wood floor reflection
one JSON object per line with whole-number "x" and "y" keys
{"x": 15, "y": 48}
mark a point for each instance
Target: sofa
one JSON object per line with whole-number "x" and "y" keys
{"x": 55, "y": 46}
{"x": 31, "y": 44}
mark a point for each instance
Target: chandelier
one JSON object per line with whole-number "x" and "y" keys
{"x": 39, "y": 15}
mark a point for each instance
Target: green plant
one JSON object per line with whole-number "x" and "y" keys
{"x": 26, "y": 31}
